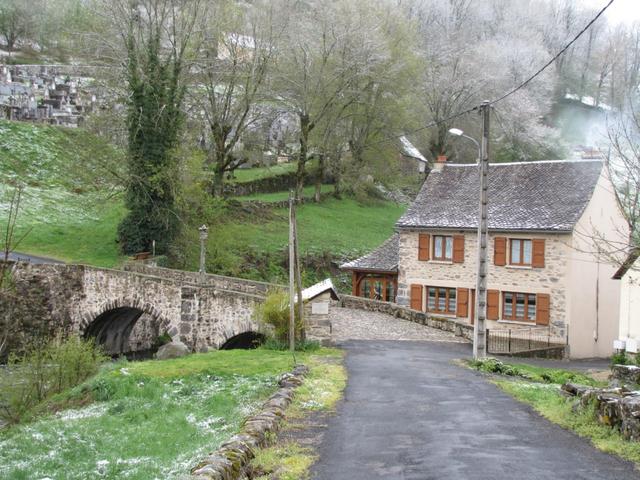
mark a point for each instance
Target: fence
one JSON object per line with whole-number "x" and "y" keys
{"x": 519, "y": 340}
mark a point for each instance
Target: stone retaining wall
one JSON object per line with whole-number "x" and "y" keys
{"x": 230, "y": 461}
{"x": 616, "y": 407}
{"x": 399, "y": 311}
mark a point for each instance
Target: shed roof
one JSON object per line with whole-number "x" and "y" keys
{"x": 382, "y": 259}
{"x": 526, "y": 196}
{"x": 318, "y": 289}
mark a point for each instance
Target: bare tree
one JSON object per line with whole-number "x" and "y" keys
{"x": 234, "y": 70}
{"x": 315, "y": 70}
{"x": 16, "y": 21}
{"x": 10, "y": 241}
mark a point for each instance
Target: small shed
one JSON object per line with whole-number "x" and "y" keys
{"x": 317, "y": 303}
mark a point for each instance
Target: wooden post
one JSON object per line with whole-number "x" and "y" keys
{"x": 479, "y": 333}
{"x": 296, "y": 253}
{"x": 292, "y": 261}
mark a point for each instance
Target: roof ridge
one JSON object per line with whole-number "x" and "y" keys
{"x": 533, "y": 162}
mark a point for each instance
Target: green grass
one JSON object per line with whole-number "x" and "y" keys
{"x": 547, "y": 401}
{"x": 71, "y": 202}
{"x": 250, "y": 174}
{"x": 307, "y": 192}
{"x": 534, "y": 373}
{"x": 338, "y": 226}
{"x": 147, "y": 420}
{"x": 321, "y": 391}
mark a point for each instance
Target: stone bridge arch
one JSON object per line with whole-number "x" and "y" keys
{"x": 113, "y": 323}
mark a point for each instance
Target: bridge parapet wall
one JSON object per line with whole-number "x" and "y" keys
{"x": 210, "y": 280}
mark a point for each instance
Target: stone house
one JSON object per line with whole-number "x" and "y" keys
{"x": 543, "y": 266}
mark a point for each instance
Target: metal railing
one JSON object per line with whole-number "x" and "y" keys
{"x": 525, "y": 339}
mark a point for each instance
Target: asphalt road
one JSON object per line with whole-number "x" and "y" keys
{"x": 23, "y": 257}
{"x": 409, "y": 413}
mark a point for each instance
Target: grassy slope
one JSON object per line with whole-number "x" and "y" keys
{"x": 70, "y": 204}
{"x": 71, "y": 207}
{"x": 150, "y": 419}
{"x": 339, "y": 226}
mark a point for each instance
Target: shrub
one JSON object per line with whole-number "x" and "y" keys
{"x": 274, "y": 315}
{"x": 620, "y": 358}
{"x": 44, "y": 370}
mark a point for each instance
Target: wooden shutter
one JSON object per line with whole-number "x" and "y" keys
{"x": 537, "y": 259}
{"x": 423, "y": 246}
{"x": 543, "y": 303}
{"x": 462, "y": 309}
{"x": 458, "y": 249}
{"x": 416, "y": 297}
{"x": 493, "y": 302}
{"x": 500, "y": 251}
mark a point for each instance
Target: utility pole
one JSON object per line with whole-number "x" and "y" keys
{"x": 296, "y": 253}
{"x": 292, "y": 266}
{"x": 479, "y": 331}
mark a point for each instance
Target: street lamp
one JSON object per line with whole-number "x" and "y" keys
{"x": 479, "y": 332}
{"x": 459, "y": 133}
{"x": 204, "y": 234}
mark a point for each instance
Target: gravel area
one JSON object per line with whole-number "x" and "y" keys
{"x": 351, "y": 324}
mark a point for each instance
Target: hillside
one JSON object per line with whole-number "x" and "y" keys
{"x": 71, "y": 199}
{"x": 72, "y": 204}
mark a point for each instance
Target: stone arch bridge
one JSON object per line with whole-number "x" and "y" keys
{"x": 126, "y": 310}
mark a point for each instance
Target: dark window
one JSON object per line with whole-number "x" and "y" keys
{"x": 442, "y": 247}
{"x": 519, "y": 306}
{"x": 441, "y": 300}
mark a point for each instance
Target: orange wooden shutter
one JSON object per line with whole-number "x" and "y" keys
{"x": 462, "y": 309}
{"x": 543, "y": 303}
{"x": 500, "y": 251}
{"x": 458, "y": 249}
{"x": 537, "y": 259}
{"x": 493, "y": 300}
{"x": 416, "y": 297}
{"x": 423, "y": 246}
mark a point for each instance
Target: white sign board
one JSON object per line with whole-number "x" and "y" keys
{"x": 319, "y": 308}
{"x": 631, "y": 345}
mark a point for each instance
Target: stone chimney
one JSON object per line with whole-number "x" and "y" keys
{"x": 439, "y": 164}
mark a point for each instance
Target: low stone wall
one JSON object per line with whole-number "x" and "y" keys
{"x": 232, "y": 458}
{"x": 284, "y": 203}
{"x": 617, "y": 407}
{"x": 399, "y": 311}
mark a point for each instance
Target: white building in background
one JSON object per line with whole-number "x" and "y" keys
{"x": 629, "y": 323}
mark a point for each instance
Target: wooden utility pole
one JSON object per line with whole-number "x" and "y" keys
{"x": 292, "y": 265}
{"x": 479, "y": 331}
{"x": 296, "y": 253}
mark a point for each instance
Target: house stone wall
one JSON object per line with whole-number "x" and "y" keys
{"x": 553, "y": 279}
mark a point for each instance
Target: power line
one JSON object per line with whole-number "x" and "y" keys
{"x": 566, "y": 47}
{"x": 435, "y": 123}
